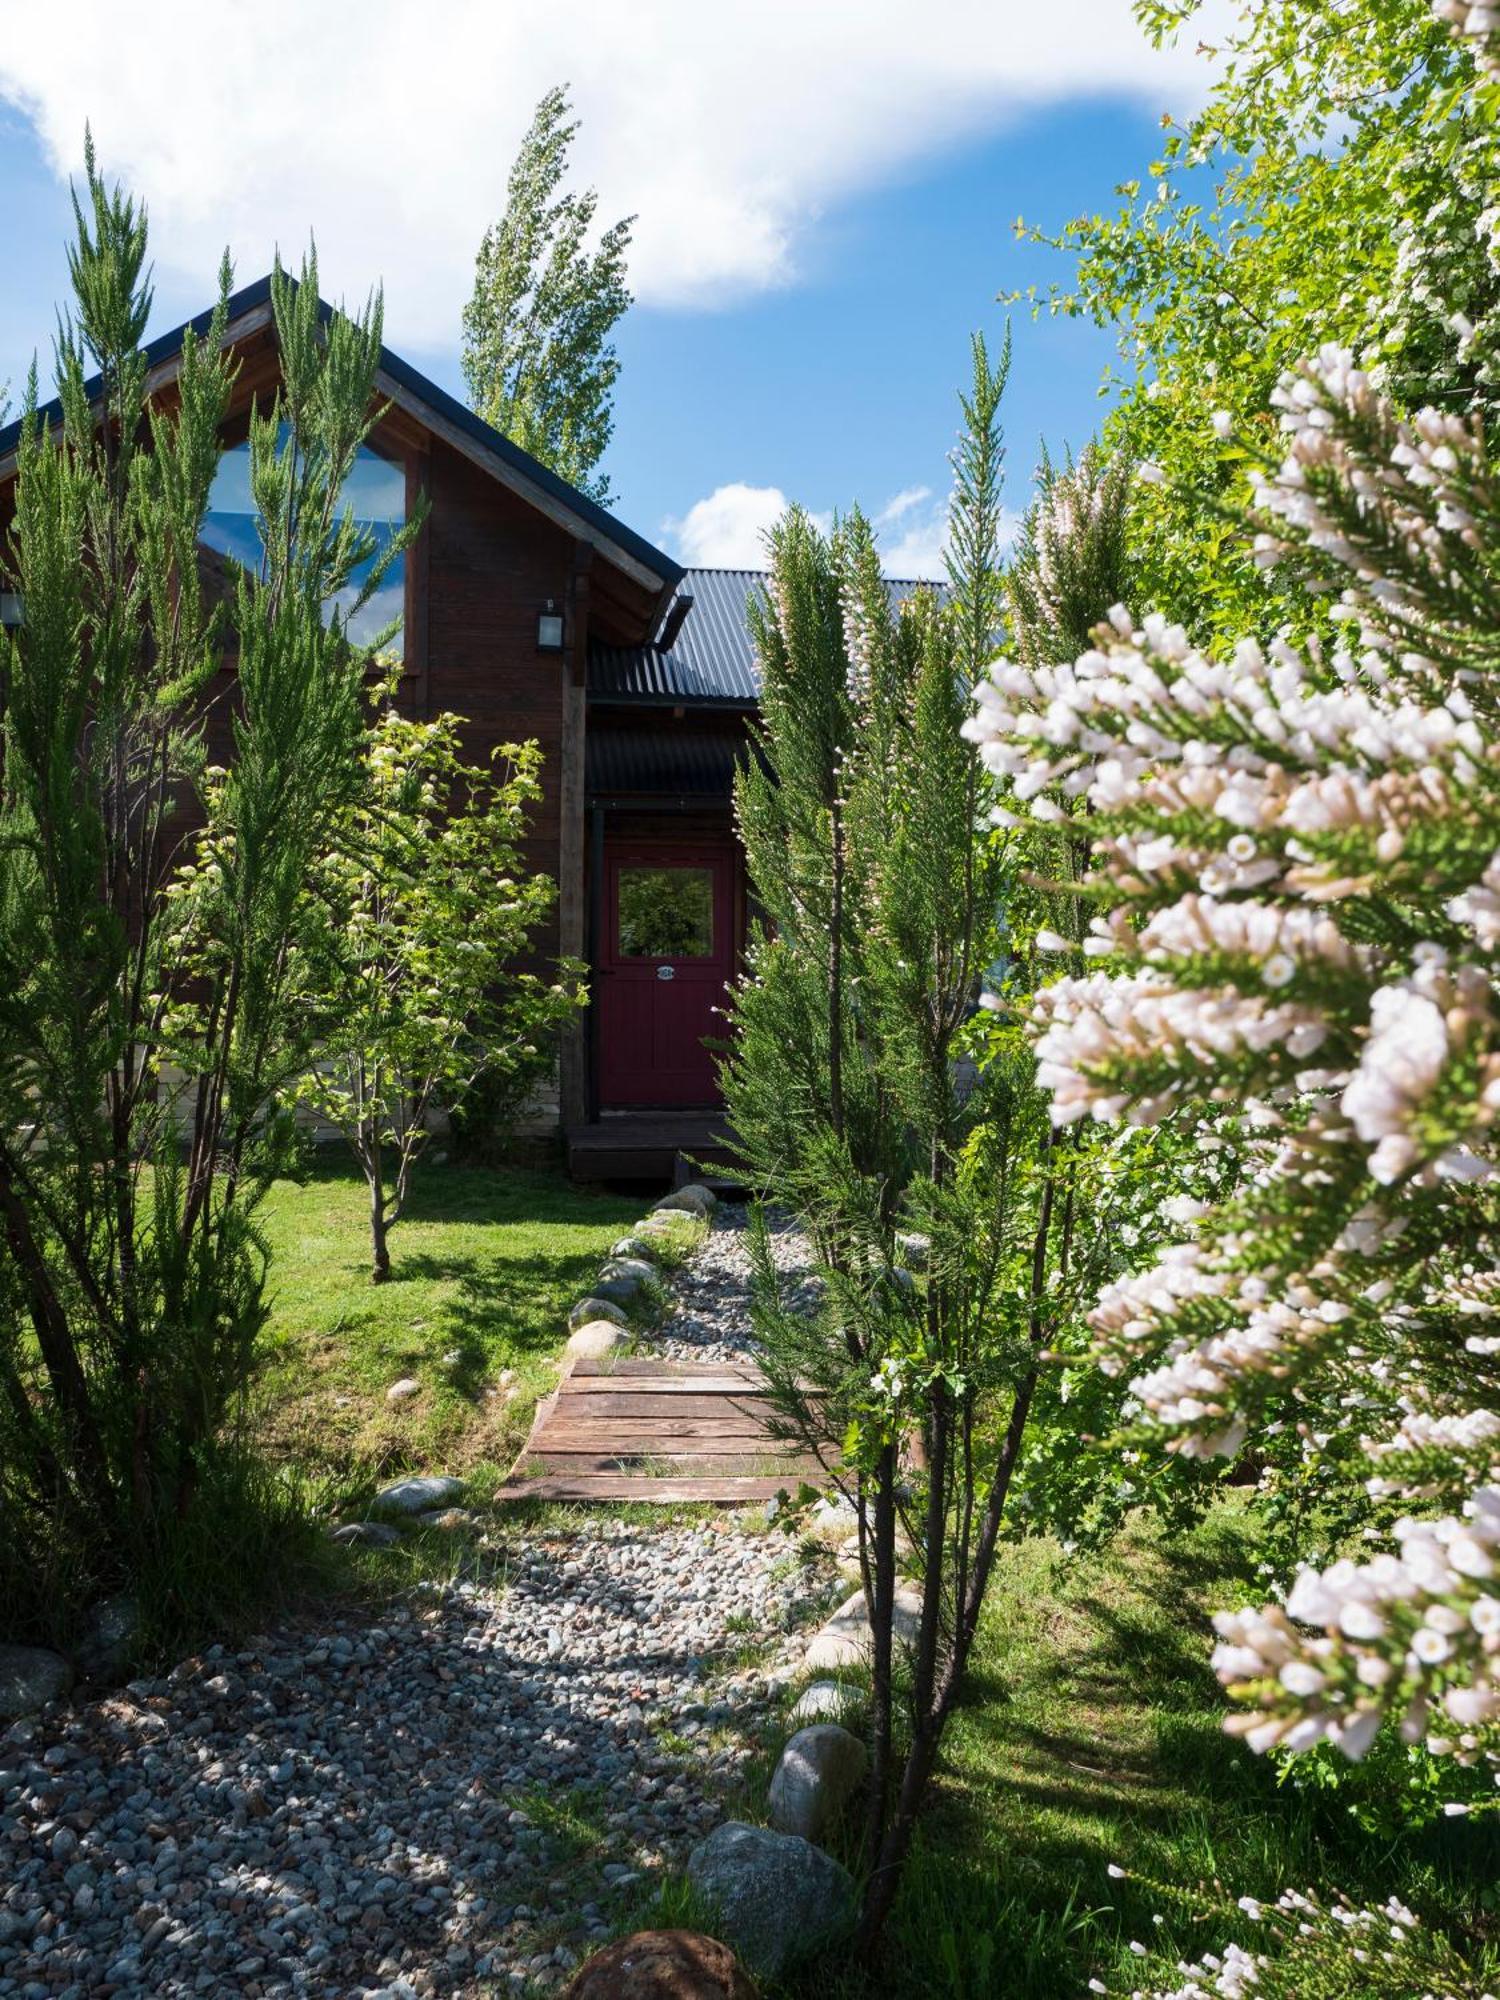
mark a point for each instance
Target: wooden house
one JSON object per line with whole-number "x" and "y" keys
{"x": 535, "y": 613}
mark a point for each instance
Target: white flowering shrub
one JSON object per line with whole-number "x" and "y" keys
{"x": 1295, "y": 877}
{"x": 1478, "y": 24}
{"x": 1297, "y": 861}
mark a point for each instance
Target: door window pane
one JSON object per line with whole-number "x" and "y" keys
{"x": 666, "y": 912}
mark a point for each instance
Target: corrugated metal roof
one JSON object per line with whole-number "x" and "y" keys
{"x": 661, "y": 760}
{"x": 710, "y": 661}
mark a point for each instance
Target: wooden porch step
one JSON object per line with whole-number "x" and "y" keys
{"x": 658, "y": 1371}
{"x": 649, "y": 1145}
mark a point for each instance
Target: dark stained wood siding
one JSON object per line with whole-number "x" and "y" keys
{"x": 491, "y": 564}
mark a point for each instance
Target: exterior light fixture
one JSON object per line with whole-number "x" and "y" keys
{"x": 12, "y": 610}
{"x": 549, "y": 629}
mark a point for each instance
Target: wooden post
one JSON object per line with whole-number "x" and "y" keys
{"x": 573, "y": 1081}
{"x": 416, "y": 665}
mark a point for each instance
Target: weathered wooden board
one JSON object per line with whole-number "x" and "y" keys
{"x": 755, "y": 1411}
{"x": 606, "y": 1486}
{"x": 679, "y": 1465}
{"x": 647, "y": 1429}
{"x": 638, "y": 1431}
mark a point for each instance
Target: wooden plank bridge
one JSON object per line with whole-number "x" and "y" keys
{"x": 649, "y": 1429}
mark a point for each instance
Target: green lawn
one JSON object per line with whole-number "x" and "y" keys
{"x": 485, "y": 1265}
{"x": 1090, "y": 1734}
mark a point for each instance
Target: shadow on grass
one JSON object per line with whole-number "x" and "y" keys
{"x": 498, "y": 1279}
{"x": 1090, "y": 1734}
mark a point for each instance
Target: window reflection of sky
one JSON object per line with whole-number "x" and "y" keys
{"x": 375, "y": 492}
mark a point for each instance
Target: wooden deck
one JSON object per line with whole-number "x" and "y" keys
{"x": 657, "y": 1430}
{"x": 647, "y": 1146}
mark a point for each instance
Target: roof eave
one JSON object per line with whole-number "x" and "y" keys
{"x": 400, "y": 383}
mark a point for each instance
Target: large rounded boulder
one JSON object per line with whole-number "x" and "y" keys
{"x": 778, "y": 1898}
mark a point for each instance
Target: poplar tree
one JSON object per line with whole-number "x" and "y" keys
{"x": 538, "y": 356}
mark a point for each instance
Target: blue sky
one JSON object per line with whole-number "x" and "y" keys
{"x": 809, "y": 267}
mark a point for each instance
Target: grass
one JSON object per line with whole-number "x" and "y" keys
{"x": 1090, "y": 1734}
{"x": 485, "y": 1265}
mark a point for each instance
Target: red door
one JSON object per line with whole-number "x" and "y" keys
{"x": 668, "y": 953}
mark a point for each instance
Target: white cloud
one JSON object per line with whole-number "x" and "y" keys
{"x": 912, "y": 530}
{"x": 727, "y": 529}
{"x": 389, "y": 129}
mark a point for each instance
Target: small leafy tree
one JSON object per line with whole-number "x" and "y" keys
{"x": 1336, "y": 184}
{"x": 416, "y": 987}
{"x": 139, "y": 1119}
{"x": 538, "y": 355}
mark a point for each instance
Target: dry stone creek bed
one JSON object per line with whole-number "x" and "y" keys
{"x": 455, "y": 1796}
{"x": 708, "y": 1319}
{"x": 329, "y": 1809}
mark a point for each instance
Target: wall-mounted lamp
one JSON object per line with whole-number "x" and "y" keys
{"x": 12, "y": 610}
{"x": 549, "y": 629}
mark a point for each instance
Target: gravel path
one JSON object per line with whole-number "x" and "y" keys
{"x": 460, "y": 1795}
{"x": 710, "y": 1320}
{"x": 451, "y": 1798}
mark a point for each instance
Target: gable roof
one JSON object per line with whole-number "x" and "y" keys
{"x": 399, "y": 383}
{"x": 711, "y": 661}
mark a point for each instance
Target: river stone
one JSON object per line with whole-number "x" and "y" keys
{"x": 593, "y": 1341}
{"x": 635, "y": 1268}
{"x": 834, "y": 1510}
{"x": 103, "y": 1653}
{"x": 663, "y": 1965}
{"x": 447, "y": 1518}
{"x": 821, "y": 1769}
{"x": 416, "y": 1495}
{"x": 695, "y": 1198}
{"x": 404, "y": 1390}
{"x": 617, "y": 1291}
{"x": 777, "y": 1896}
{"x": 846, "y": 1640}
{"x": 30, "y": 1677}
{"x": 915, "y": 1250}
{"x": 825, "y": 1701}
{"x": 639, "y": 1247}
{"x": 588, "y": 1310}
{"x": 367, "y": 1534}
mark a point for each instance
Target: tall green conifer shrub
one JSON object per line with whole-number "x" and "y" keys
{"x": 853, "y": 1106}
{"x": 148, "y": 1016}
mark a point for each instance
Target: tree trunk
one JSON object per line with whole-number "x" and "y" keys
{"x": 380, "y": 1256}
{"x": 881, "y": 1607}
{"x": 885, "y": 1875}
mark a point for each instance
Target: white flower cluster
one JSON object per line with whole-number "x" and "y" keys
{"x": 1277, "y": 940}
{"x": 1469, "y": 1439}
{"x": 1415, "y": 1633}
{"x": 1095, "y": 1036}
{"x": 1415, "y": 1028}
{"x": 1194, "y": 1394}
{"x": 1315, "y": 1937}
{"x": 858, "y": 641}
